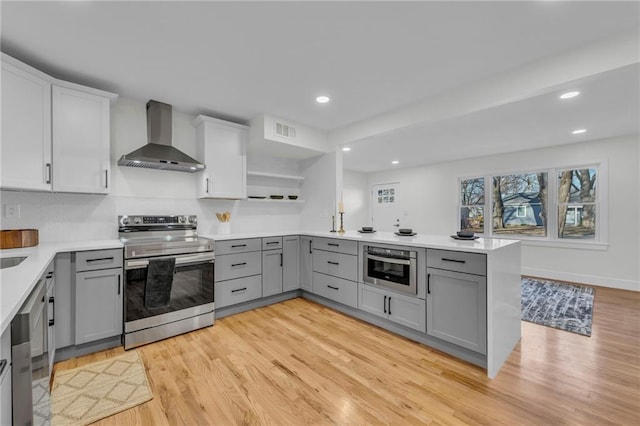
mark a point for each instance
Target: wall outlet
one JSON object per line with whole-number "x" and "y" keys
{"x": 12, "y": 211}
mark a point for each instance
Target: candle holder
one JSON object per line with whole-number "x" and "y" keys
{"x": 341, "y": 230}
{"x": 333, "y": 223}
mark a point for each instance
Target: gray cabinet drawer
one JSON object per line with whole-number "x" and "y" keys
{"x": 238, "y": 246}
{"x": 336, "y": 289}
{"x": 98, "y": 259}
{"x": 240, "y": 290}
{"x": 231, "y": 266}
{"x": 458, "y": 261}
{"x": 271, "y": 243}
{"x": 337, "y": 264}
{"x": 336, "y": 245}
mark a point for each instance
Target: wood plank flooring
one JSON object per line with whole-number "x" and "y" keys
{"x": 298, "y": 362}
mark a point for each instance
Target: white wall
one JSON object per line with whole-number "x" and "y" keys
{"x": 356, "y": 199}
{"x": 64, "y": 217}
{"x": 431, "y": 202}
{"x": 319, "y": 192}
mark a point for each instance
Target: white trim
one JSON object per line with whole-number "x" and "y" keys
{"x": 608, "y": 282}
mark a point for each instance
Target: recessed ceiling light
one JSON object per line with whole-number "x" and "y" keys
{"x": 346, "y": 148}
{"x": 569, "y": 95}
{"x": 579, "y": 131}
{"x": 395, "y": 162}
{"x": 322, "y": 99}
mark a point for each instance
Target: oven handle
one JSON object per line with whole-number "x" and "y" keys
{"x": 180, "y": 260}
{"x": 389, "y": 260}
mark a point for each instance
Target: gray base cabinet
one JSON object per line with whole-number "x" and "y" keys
{"x": 238, "y": 291}
{"x": 238, "y": 271}
{"x": 271, "y": 272}
{"x": 98, "y": 295}
{"x": 401, "y": 309}
{"x": 457, "y": 308}
{"x": 337, "y": 289}
{"x": 291, "y": 261}
{"x": 98, "y": 305}
{"x": 306, "y": 263}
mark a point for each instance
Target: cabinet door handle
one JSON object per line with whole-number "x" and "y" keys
{"x": 389, "y": 305}
{"x": 428, "y": 283}
{"x": 118, "y": 283}
{"x": 273, "y": 242}
{"x": 238, "y": 289}
{"x": 333, "y": 263}
{"x": 239, "y": 245}
{"x": 332, "y": 288}
{"x": 310, "y": 247}
{"x": 233, "y": 265}
{"x": 53, "y": 310}
{"x": 444, "y": 259}
{"x": 106, "y": 178}
{"x": 384, "y": 305}
{"x": 100, "y": 259}
{"x": 48, "y": 166}
{"x": 333, "y": 244}
{"x": 281, "y": 260}
{"x": 207, "y": 188}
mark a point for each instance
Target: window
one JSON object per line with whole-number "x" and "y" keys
{"x": 577, "y": 203}
{"x": 531, "y": 206}
{"x": 472, "y": 205}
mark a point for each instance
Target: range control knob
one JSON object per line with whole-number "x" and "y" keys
{"x": 192, "y": 219}
{"x": 182, "y": 219}
{"x": 125, "y": 220}
{"x": 137, "y": 220}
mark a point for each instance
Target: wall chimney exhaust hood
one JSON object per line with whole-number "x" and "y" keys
{"x": 158, "y": 153}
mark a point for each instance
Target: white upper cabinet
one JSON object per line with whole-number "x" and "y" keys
{"x": 55, "y": 134}
{"x": 26, "y": 127}
{"x": 80, "y": 141}
{"x": 221, "y": 146}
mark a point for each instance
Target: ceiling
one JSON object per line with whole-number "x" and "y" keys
{"x": 237, "y": 60}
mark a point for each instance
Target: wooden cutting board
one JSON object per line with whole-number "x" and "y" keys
{"x": 17, "y": 238}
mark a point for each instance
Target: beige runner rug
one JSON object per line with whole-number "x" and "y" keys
{"x": 83, "y": 395}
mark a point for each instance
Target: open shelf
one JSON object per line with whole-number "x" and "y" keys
{"x": 271, "y": 200}
{"x": 274, "y": 175}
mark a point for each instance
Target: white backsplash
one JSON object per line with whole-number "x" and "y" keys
{"x": 72, "y": 217}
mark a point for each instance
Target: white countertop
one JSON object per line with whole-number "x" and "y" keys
{"x": 17, "y": 282}
{"x": 445, "y": 242}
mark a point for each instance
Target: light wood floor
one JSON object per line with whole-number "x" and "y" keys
{"x": 298, "y": 362}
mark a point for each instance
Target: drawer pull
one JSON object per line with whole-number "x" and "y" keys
{"x": 333, "y": 263}
{"x": 239, "y": 245}
{"x": 233, "y": 265}
{"x": 389, "y": 305}
{"x": 444, "y": 259}
{"x": 273, "y": 242}
{"x": 332, "y": 288}
{"x": 333, "y": 244}
{"x": 101, "y": 259}
{"x": 384, "y": 305}
{"x": 238, "y": 289}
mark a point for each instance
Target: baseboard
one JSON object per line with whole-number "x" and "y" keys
{"x": 583, "y": 278}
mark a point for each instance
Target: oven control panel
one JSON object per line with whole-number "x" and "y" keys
{"x": 158, "y": 222}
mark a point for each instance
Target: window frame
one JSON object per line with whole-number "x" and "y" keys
{"x": 600, "y": 240}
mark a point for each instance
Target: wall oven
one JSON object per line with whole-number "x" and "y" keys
{"x": 390, "y": 268}
{"x": 168, "y": 278}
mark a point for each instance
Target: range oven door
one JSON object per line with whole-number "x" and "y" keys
{"x": 190, "y": 293}
{"x": 386, "y": 268}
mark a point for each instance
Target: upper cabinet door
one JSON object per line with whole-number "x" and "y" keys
{"x": 80, "y": 141}
{"x": 222, "y": 146}
{"x": 26, "y": 129}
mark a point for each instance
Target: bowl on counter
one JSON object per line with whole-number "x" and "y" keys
{"x": 367, "y": 228}
{"x": 293, "y": 197}
{"x": 405, "y": 231}
{"x": 276, "y": 197}
{"x": 465, "y": 234}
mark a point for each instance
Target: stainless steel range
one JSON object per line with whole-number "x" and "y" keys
{"x": 168, "y": 284}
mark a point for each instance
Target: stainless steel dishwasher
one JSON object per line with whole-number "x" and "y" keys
{"x": 30, "y": 359}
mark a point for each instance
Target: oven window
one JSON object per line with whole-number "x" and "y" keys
{"x": 388, "y": 271}
{"x": 192, "y": 285}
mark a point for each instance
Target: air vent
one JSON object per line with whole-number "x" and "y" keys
{"x": 285, "y": 131}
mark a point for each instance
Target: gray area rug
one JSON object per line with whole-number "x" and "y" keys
{"x": 564, "y": 306}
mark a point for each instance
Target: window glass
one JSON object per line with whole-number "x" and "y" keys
{"x": 519, "y": 204}
{"x": 577, "y": 203}
{"x": 472, "y": 205}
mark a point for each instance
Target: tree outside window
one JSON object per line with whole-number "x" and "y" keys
{"x": 513, "y": 192}
{"x": 472, "y": 205}
{"x": 577, "y": 203}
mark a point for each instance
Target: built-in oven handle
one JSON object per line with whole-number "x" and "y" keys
{"x": 390, "y": 259}
{"x": 180, "y": 260}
